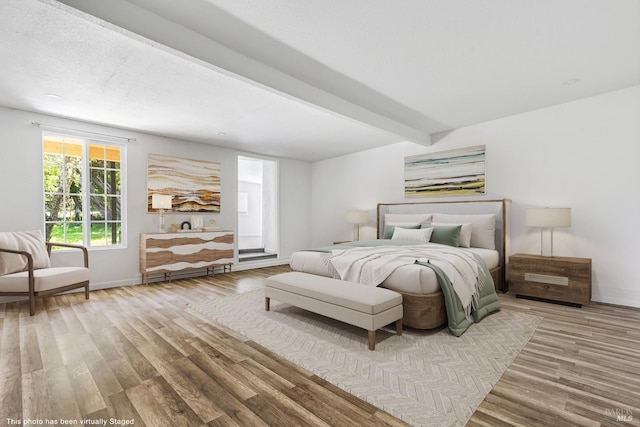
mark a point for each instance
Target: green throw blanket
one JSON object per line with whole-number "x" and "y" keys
{"x": 487, "y": 301}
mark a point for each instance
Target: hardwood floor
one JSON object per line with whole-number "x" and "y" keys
{"x": 581, "y": 367}
{"x": 139, "y": 353}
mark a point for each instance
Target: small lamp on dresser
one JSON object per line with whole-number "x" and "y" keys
{"x": 162, "y": 202}
{"x": 356, "y": 218}
{"x": 548, "y": 218}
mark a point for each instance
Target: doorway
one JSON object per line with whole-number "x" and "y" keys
{"x": 257, "y": 209}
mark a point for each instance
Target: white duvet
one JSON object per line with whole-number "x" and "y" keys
{"x": 408, "y": 279}
{"x": 373, "y": 265}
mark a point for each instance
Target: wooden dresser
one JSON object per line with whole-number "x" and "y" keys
{"x": 168, "y": 253}
{"x": 560, "y": 279}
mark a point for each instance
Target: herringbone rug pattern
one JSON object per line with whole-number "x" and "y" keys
{"x": 422, "y": 377}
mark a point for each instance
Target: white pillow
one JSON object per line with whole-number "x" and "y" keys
{"x": 418, "y": 234}
{"x": 465, "y": 232}
{"x": 406, "y": 219}
{"x": 27, "y": 241}
{"x": 483, "y": 231}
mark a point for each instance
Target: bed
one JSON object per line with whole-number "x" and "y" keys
{"x": 423, "y": 300}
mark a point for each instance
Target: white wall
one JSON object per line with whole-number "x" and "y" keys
{"x": 250, "y": 224}
{"x": 356, "y": 182}
{"x": 21, "y": 206}
{"x": 294, "y": 213}
{"x": 270, "y": 229}
{"x": 584, "y": 155}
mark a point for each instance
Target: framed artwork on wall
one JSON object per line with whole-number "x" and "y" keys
{"x": 193, "y": 184}
{"x": 459, "y": 172}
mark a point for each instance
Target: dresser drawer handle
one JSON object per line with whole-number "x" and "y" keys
{"x": 546, "y": 278}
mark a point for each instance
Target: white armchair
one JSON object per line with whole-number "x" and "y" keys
{"x": 25, "y": 268}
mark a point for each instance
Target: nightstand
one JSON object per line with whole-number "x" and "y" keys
{"x": 556, "y": 279}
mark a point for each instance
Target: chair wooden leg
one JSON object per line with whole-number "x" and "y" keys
{"x": 86, "y": 291}
{"x": 32, "y": 305}
{"x": 399, "y": 327}
{"x": 266, "y": 303}
{"x": 372, "y": 340}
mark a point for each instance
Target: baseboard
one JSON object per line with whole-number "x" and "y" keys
{"x": 116, "y": 283}
{"x": 630, "y": 301}
{"x": 248, "y": 265}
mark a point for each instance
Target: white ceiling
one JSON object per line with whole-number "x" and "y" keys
{"x": 308, "y": 79}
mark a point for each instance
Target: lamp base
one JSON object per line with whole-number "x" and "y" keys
{"x": 356, "y": 232}
{"x": 162, "y": 230}
{"x": 549, "y": 251}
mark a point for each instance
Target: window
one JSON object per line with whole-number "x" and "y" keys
{"x": 83, "y": 191}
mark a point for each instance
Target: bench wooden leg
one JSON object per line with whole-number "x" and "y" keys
{"x": 399, "y": 327}
{"x": 372, "y": 340}
{"x": 266, "y": 303}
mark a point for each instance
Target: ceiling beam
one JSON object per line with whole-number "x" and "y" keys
{"x": 204, "y": 34}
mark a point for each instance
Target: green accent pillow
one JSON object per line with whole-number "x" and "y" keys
{"x": 445, "y": 235}
{"x": 388, "y": 229}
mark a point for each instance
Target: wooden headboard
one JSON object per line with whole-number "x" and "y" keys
{"x": 501, "y": 208}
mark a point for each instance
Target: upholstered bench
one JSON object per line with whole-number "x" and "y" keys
{"x": 367, "y": 307}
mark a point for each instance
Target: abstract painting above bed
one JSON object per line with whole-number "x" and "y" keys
{"x": 446, "y": 173}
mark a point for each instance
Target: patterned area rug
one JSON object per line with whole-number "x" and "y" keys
{"x": 425, "y": 378}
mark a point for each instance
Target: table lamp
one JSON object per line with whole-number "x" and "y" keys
{"x": 548, "y": 218}
{"x": 162, "y": 202}
{"x": 356, "y": 218}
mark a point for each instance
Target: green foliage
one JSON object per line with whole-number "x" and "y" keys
{"x": 75, "y": 235}
{"x": 61, "y": 176}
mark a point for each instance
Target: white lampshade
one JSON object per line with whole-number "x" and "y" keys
{"x": 357, "y": 217}
{"x": 548, "y": 217}
{"x": 161, "y": 201}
